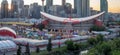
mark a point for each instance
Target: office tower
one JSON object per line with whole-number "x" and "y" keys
{"x": 63, "y": 3}
{"x": 25, "y": 11}
{"x": 20, "y": 3}
{"x": 85, "y": 8}
{"x": 75, "y": 6}
{"x": 20, "y": 7}
{"x": 4, "y": 9}
{"x": 34, "y": 10}
{"x": 104, "y": 7}
{"x": 82, "y": 8}
{"x": 14, "y": 8}
{"x": 48, "y": 4}
{"x": 68, "y": 8}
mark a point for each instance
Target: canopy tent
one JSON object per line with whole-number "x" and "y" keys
{"x": 5, "y": 31}
{"x": 7, "y": 46}
{"x": 101, "y": 32}
{"x": 31, "y": 42}
{"x": 43, "y": 43}
{"x": 71, "y": 20}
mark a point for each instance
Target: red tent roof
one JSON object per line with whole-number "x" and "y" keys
{"x": 5, "y": 31}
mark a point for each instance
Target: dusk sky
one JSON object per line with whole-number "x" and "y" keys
{"x": 114, "y": 5}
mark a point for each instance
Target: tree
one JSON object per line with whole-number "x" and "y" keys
{"x": 104, "y": 48}
{"x": 116, "y": 43}
{"x": 19, "y": 50}
{"x": 115, "y": 52}
{"x": 49, "y": 46}
{"x": 41, "y": 26}
{"x": 37, "y": 49}
{"x": 99, "y": 38}
{"x": 97, "y": 28}
{"x": 92, "y": 41}
{"x": 70, "y": 45}
{"x": 111, "y": 47}
{"x": 27, "y": 49}
{"x": 83, "y": 46}
{"x": 96, "y": 40}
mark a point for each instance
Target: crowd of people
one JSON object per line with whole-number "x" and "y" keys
{"x": 34, "y": 33}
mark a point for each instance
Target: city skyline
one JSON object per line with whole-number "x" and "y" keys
{"x": 113, "y": 5}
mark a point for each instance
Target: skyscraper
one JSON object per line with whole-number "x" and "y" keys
{"x": 4, "y": 9}
{"x": 25, "y": 11}
{"x": 104, "y": 7}
{"x": 14, "y": 8}
{"x": 63, "y": 2}
{"x": 82, "y": 7}
{"x": 20, "y": 7}
{"x": 48, "y": 4}
{"x": 34, "y": 10}
{"x": 75, "y": 6}
{"x": 20, "y": 3}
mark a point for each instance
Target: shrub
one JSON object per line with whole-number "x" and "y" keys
{"x": 70, "y": 45}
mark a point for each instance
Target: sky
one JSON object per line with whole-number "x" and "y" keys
{"x": 114, "y": 5}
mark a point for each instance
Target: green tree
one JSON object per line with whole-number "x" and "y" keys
{"x": 104, "y": 48}
{"x": 92, "y": 41}
{"x": 111, "y": 47}
{"x": 19, "y": 50}
{"x": 115, "y": 52}
{"x": 116, "y": 43}
{"x": 100, "y": 38}
{"x": 41, "y": 26}
{"x": 83, "y": 46}
{"x": 37, "y": 49}
{"x": 70, "y": 45}
{"x": 49, "y": 46}
{"x": 97, "y": 28}
{"x": 27, "y": 49}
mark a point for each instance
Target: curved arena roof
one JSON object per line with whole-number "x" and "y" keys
{"x": 72, "y": 20}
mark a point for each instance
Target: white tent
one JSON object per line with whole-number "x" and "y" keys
{"x": 32, "y": 42}
{"x": 7, "y": 46}
{"x": 101, "y": 32}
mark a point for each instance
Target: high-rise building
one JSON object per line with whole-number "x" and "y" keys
{"x": 14, "y": 8}
{"x": 20, "y": 3}
{"x": 82, "y": 7}
{"x": 104, "y": 7}
{"x": 68, "y": 8}
{"x": 75, "y": 6}
{"x": 34, "y": 10}
{"x": 20, "y": 7}
{"x": 48, "y": 4}
{"x": 63, "y": 3}
{"x": 4, "y": 9}
{"x": 25, "y": 11}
